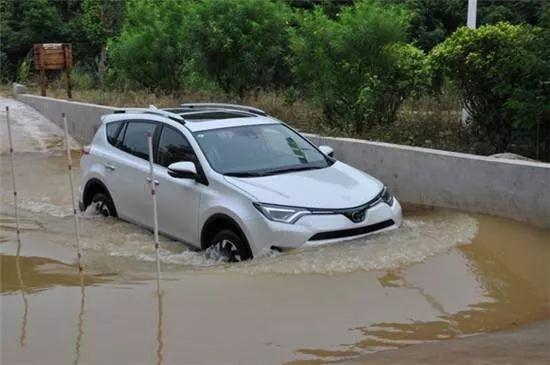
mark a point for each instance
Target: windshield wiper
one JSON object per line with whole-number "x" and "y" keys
{"x": 292, "y": 169}
{"x": 244, "y": 174}
{"x": 271, "y": 172}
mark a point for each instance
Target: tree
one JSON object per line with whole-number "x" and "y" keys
{"x": 434, "y": 20}
{"x": 501, "y": 72}
{"x": 355, "y": 65}
{"x": 102, "y": 19}
{"x": 240, "y": 44}
{"x": 25, "y": 22}
{"x": 150, "y": 50}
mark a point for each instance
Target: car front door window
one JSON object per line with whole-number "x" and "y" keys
{"x": 173, "y": 147}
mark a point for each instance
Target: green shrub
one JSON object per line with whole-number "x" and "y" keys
{"x": 500, "y": 71}
{"x": 82, "y": 80}
{"x": 355, "y": 65}
{"x": 407, "y": 74}
{"x": 239, "y": 44}
{"x": 24, "y": 71}
{"x": 150, "y": 51}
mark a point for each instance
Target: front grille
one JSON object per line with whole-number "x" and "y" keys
{"x": 352, "y": 231}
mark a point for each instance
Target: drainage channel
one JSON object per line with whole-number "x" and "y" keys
{"x": 443, "y": 275}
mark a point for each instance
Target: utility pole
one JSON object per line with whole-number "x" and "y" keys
{"x": 470, "y": 23}
{"x": 472, "y": 12}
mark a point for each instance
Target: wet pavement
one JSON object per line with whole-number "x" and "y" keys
{"x": 443, "y": 275}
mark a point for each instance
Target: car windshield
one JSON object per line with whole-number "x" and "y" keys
{"x": 258, "y": 150}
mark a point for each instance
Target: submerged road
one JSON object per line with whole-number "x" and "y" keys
{"x": 390, "y": 298}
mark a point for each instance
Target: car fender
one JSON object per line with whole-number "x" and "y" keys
{"x": 235, "y": 215}
{"x": 94, "y": 173}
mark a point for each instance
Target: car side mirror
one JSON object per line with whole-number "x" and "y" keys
{"x": 327, "y": 151}
{"x": 183, "y": 170}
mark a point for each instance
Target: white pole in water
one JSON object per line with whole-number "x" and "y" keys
{"x": 70, "y": 169}
{"x": 12, "y": 165}
{"x": 18, "y": 252}
{"x": 153, "y": 183}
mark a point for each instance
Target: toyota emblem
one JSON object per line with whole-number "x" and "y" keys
{"x": 358, "y": 215}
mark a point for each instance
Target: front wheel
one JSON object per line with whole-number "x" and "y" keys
{"x": 103, "y": 205}
{"x": 229, "y": 247}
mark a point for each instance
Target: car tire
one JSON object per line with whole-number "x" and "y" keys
{"x": 103, "y": 205}
{"x": 230, "y": 246}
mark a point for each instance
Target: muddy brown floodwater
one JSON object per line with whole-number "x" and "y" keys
{"x": 443, "y": 275}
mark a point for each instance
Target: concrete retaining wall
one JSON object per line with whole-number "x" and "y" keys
{"x": 82, "y": 118}
{"x": 515, "y": 189}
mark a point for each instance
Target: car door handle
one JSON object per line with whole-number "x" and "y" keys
{"x": 148, "y": 179}
{"x": 110, "y": 167}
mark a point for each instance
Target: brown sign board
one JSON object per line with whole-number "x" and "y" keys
{"x": 53, "y": 56}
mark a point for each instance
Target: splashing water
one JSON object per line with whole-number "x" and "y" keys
{"x": 419, "y": 237}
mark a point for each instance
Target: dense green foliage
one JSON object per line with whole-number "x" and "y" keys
{"x": 434, "y": 20}
{"x": 359, "y": 61}
{"x": 102, "y": 19}
{"x": 25, "y": 22}
{"x": 150, "y": 51}
{"x": 354, "y": 65}
{"x": 240, "y": 44}
{"x": 501, "y": 71}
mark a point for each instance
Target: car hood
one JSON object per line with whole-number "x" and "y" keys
{"x": 337, "y": 186}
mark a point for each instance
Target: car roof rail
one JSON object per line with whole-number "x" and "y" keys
{"x": 153, "y": 110}
{"x": 196, "y": 106}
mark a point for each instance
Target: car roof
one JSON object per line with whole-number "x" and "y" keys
{"x": 197, "y": 117}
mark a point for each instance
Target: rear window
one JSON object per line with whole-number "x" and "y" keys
{"x": 113, "y": 130}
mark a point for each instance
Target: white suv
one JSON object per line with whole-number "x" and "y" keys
{"x": 231, "y": 177}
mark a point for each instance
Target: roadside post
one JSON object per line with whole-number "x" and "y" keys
{"x": 23, "y": 335}
{"x": 12, "y": 166}
{"x": 75, "y": 213}
{"x": 154, "y": 184}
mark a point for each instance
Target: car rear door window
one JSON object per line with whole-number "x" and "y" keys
{"x": 135, "y": 138}
{"x": 173, "y": 147}
{"x": 113, "y": 130}
{"x": 120, "y": 136}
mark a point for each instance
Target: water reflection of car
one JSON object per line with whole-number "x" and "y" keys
{"x": 230, "y": 177}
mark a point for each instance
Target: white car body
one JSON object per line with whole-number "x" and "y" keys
{"x": 327, "y": 197}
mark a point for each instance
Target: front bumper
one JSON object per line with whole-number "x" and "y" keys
{"x": 315, "y": 230}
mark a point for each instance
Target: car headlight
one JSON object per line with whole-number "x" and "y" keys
{"x": 387, "y": 196}
{"x": 280, "y": 213}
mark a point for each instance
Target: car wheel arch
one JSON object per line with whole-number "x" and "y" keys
{"x": 217, "y": 222}
{"x": 92, "y": 187}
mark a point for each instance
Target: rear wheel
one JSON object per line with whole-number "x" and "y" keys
{"x": 229, "y": 247}
{"x": 103, "y": 205}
